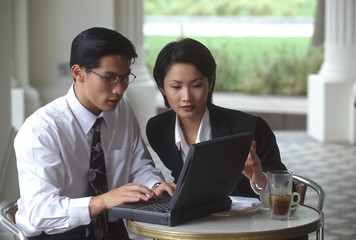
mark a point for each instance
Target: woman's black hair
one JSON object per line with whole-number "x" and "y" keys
{"x": 188, "y": 51}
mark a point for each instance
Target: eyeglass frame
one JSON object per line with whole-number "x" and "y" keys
{"x": 112, "y": 80}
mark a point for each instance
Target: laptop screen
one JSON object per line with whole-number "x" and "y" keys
{"x": 213, "y": 167}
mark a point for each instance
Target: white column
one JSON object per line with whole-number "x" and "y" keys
{"x": 142, "y": 92}
{"x": 330, "y": 92}
{"x": 8, "y": 176}
{"x": 353, "y": 118}
{"x": 20, "y": 82}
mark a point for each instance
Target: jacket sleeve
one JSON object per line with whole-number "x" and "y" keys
{"x": 160, "y": 135}
{"x": 267, "y": 148}
{"x": 268, "y": 152}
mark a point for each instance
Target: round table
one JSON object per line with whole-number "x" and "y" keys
{"x": 249, "y": 225}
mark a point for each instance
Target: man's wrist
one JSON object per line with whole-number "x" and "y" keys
{"x": 154, "y": 186}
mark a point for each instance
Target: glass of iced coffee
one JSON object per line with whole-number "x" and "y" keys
{"x": 280, "y": 193}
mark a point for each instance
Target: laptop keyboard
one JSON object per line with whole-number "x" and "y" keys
{"x": 156, "y": 207}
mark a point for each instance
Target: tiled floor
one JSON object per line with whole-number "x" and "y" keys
{"x": 333, "y": 166}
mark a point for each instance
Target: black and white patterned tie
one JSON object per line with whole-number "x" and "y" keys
{"x": 97, "y": 179}
{"x": 97, "y": 172}
{"x": 98, "y": 185}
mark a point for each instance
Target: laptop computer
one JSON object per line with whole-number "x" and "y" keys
{"x": 209, "y": 175}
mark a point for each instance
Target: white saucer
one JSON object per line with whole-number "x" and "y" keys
{"x": 293, "y": 207}
{"x": 260, "y": 207}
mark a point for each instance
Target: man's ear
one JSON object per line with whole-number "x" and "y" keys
{"x": 77, "y": 72}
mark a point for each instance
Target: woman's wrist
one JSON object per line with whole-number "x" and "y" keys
{"x": 258, "y": 188}
{"x": 262, "y": 183}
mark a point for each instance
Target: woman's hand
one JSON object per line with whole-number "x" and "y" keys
{"x": 253, "y": 168}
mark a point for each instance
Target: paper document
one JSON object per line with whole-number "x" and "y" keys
{"x": 239, "y": 205}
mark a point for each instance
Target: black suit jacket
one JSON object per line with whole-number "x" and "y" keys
{"x": 160, "y": 134}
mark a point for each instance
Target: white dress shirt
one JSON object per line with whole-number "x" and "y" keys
{"x": 204, "y": 133}
{"x": 53, "y": 151}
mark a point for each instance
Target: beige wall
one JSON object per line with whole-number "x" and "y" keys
{"x": 52, "y": 27}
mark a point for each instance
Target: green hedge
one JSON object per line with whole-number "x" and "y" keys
{"x": 230, "y": 7}
{"x": 277, "y": 66}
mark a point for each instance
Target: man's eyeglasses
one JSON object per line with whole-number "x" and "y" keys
{"x": 125, "y": 79}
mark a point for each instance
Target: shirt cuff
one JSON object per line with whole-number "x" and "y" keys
{"x": 79, "y": 211}
{"x": 256, "y": 188}
{"x": 153, "y": 181}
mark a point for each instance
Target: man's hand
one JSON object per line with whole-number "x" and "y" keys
{"x": 127, "y": 193}
{"x": 163, "y": 188}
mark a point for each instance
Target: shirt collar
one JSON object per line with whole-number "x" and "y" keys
{"x": 85, "y": 118}
{"x": 180, "y": 141}
{"x": 204, "y": 132}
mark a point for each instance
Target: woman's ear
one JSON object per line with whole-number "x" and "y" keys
{"x": 162, "y": 91}
{"x": 77, "y": 72}
{"x": 211, "y": 83}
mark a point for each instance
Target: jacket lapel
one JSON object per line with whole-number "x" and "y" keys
{"x": 219, "y": 126}
{"x": 171, "y": 152}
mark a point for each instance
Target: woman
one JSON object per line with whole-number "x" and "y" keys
{"x": 185, "y": 73}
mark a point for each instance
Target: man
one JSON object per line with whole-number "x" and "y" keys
{"x": 67, "y": 182}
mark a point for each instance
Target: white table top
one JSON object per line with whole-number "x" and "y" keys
{"x": 249, "y": 225}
